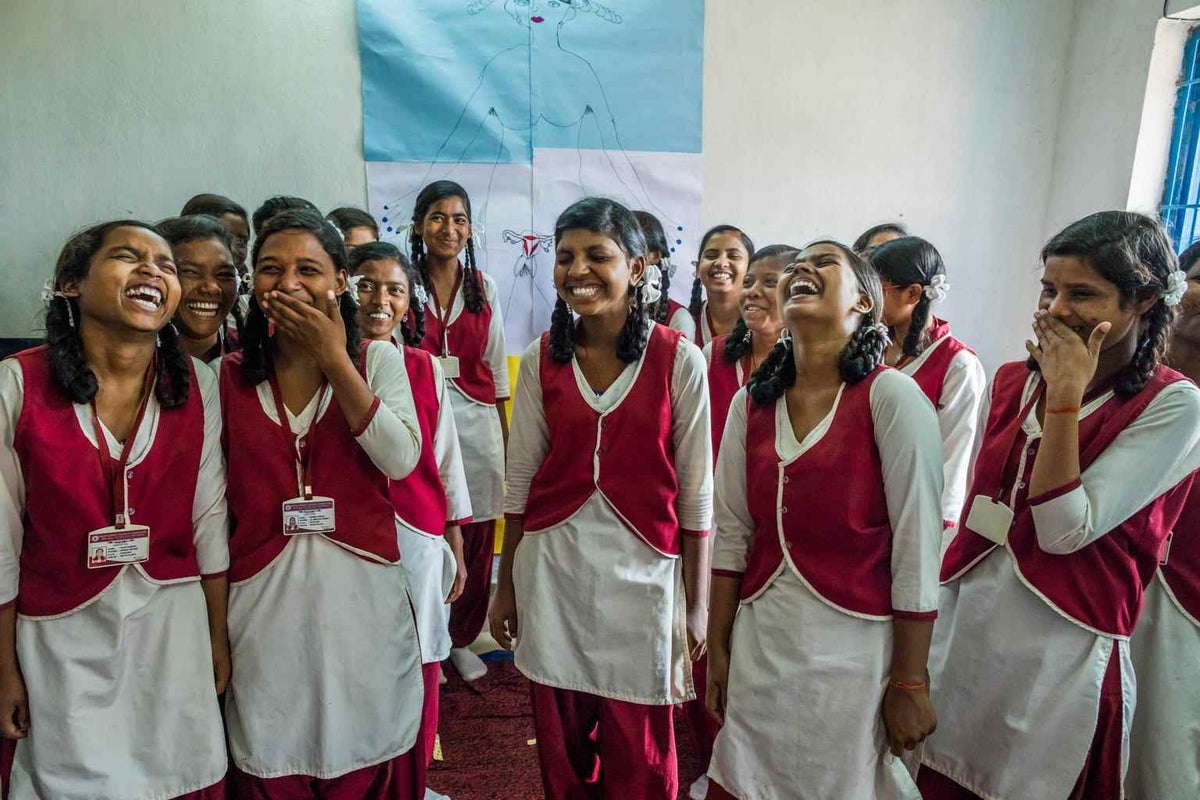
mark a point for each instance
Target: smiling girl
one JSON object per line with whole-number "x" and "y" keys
{"x": 825, "y": 570}
{"x": 949, "y": 373}
{"x": 1077, "y": 485}
{"x": 666, "y": 311}
{"x": 464, "y": 329}
{"x": 208, "y": 281}
{"x": 603, "y": 578}
{"x": 432, "y": 503}
{"x": 326, "y": 694}
{"x": 716, "y": 290}
{"x": 113, "y": 550}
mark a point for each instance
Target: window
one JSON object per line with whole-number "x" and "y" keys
{"x": 1181, "y": 195}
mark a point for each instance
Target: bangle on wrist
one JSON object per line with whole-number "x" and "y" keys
{"x": 908, "y": 687}
{"x": 1063, "y": 410}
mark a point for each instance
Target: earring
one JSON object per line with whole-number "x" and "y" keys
{"x": 70, "y": 311}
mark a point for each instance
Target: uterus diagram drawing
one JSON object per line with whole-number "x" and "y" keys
{"x": 531, "y": 104}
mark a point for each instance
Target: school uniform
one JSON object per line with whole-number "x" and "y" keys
{"x": 1030, "y": 664}
{"x": 1164, "y": 758}
{"x": 116, "y": 657}
{"x": 326, "y": 692}
{"x": 680, "y": 319}
{"x": 608, "y": 483}
{"x": 705, "y": 332}
{"x": 952, "y": 378}
{"x": 833, "y": 537}
{"x": 477, "y": 342}
{"x": 431, "y": 498}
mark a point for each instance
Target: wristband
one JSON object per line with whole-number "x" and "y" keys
{"x": 1063, "y": 410}
{"x": 908, "y": 687}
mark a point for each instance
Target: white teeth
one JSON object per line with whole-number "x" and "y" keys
{"x": 803, "y": 286}
{"x": 379, "y": 315}
{"x": 148, "y": 297}
{"x": 584, "y": 291}
{"x": 203, "y": 309}
{"x": 720, "y": 275}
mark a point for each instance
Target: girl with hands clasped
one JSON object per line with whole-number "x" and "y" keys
{"x": 603, "y": 578}
{"x": 1083, "y": 470}
{"x": 326, "y": 693}
{"x": 113, "y": 552}
{"x": 828, "y": 526}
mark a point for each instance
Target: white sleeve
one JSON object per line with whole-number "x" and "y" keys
{"x": 210, "y": 517}
{"x": 12, "y": 482}
{"x": 529, "y": 434}
{"x": 391, "y": 437}
{"x": 734, "y": 527}
{"x": 959, "y": 421}
{"x": 1151, "y": 456}
{"x": 910, "y": 449}
{"x": 449, "y": 456}
{"x": 496, "y": 353}
{"x": 707, "y": 350}
{"x": 682, "y": 321}
{"x": 691, "y": 432}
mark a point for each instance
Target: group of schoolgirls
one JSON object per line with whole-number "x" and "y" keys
{"x": 267, "y": 484}
{"x": 287, "y": 527}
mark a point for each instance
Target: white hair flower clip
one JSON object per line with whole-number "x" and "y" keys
{"x": 882, "y": 330}
{"x": 48, "y": 293}
{"x": 1176, "y": 287}
{"x": 937, "y": 288}
{"x": 421, "y": 293}
{"x": 652, "y": 284}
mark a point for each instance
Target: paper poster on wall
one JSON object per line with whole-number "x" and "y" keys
{"x": 531, "y": 105}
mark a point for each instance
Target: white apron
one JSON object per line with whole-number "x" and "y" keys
{"x": 429, "y": 564}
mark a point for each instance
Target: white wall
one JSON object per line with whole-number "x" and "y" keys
{"x": 113, "y": 108}
{"x": 981, "y": 124}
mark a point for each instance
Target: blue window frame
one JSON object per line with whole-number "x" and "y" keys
{"x": 1181, "y": 195}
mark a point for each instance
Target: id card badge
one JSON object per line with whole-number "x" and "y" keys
{"x": 449, "y": 366}
{"x": 990, "y": 518}
{"x": 114, "y": 547}
{"x": 308, "y": 515}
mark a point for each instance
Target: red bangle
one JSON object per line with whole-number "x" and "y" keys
{"x": 908, "y": 687}
{"x": 1063, "y": 410}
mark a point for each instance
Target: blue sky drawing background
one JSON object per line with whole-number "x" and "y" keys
{"x": 422, "y": 59}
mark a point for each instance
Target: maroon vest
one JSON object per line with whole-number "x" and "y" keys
{"x": 931, "y": 375}
{"x": 627, "y": 453}
{"x": 723, "y": 384}
{"x": 1182, "y": 570}
{"x": 1101, "y": 585}
{"x": 467, "y": 339}
{"x": 827, "y": 507}
{"x": 420, "y": 499}
{"x": 262, "y": 475}
{"x": 67, "y": 496}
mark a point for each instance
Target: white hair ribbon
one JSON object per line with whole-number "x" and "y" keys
{"x": 937, "y": 288}
{"x": 652, "y": 284}
{"x": 1176, "y": 287}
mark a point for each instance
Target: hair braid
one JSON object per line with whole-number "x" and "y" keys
{"x": 635, "y": 333}
{"x": 918, "y": 328}
{"x": 1151, "y": 349}
{"x": 562, "y": 333}
{"x": 413, "y": 334}
{"x": 864, "y": 352}
{"x": 697, "y": 301}
{"x": 67, "y": 362}
{"x": 737, "y": 344}
{"x": 257, "y": 361}
{"x": 775, "y": 375}
{"x": 473, "y": 293}
{"x": 174, "y": 376}
{"x": 663, "y": 305}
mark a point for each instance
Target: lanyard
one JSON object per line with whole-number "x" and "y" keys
{"x": 114, "y": 476}
{"x": 298, "y": 444}
{"x": 1013, "y": 434}
{"x": 443, "y": 317}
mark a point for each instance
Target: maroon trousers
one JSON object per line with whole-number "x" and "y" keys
{"x": 401, "y": 778}
{"x": 469, "y": 612}
{"x": 594, "y": 748}
{"x": 429, "y": 711}
{"x": 1101, "y": 776}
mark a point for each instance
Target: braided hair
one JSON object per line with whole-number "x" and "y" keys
{"x": 864, "y": 239}
{"x": 607, "y": 218}
{"x": 68, "y": 365}
{"x": 861, "y": 356}
{"x": 656, "y": 242}
{"x": 412, "y": 326}
{"x": 737, "y": 344}
{"x": 906, "y": 261}
{"x": 472, "y": 285}
{"x": 697, "y": 286}
{"x": 258, "y": 362}
{"x": 1133, "y": 252}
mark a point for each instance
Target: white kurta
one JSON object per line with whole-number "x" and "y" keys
{"x": 683, "y": 322}
{"x": 1164, "y": 759}
{"x": 427, "y": 557}
{"x": 959, "y": 422}
{"x": 479, "y": 436}
{"x": 1016, "y": 683}
{"x": 598, "y": 609}
{"x": 807, "y": 678}
{"x": 112, "y": 680}
{"x": 326, "y": 662}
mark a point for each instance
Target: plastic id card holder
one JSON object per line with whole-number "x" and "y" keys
{"x": 113, "y": 546}
{"x": 990, "y": 518}
{"x": 449, "y": 366}
{"x": 303, "y": 515}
